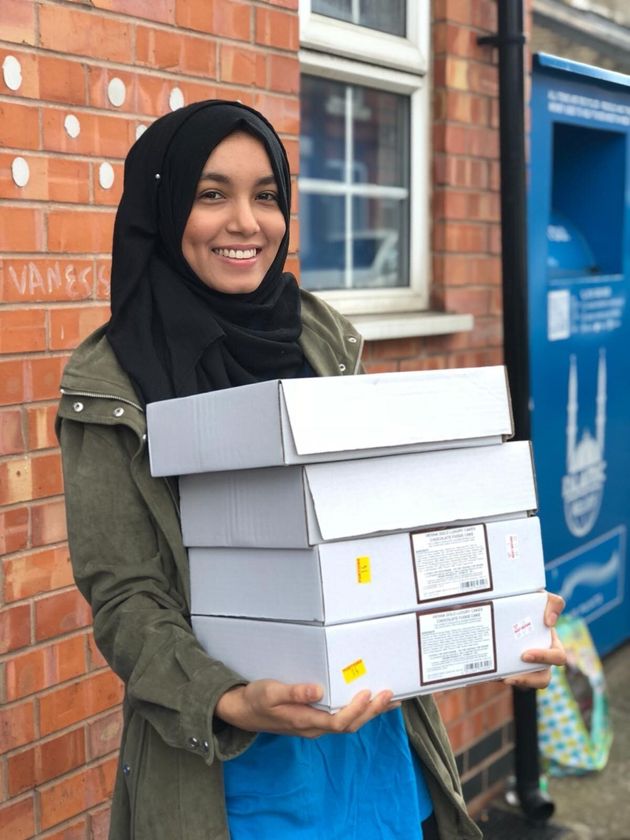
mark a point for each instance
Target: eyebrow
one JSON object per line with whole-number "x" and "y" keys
{"x": 219, "y": 178}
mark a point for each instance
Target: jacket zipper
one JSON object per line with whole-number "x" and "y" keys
{"x": 101, "y": 396}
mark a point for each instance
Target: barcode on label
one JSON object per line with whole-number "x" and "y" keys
{"x": 476, "y": 666}
{"x": 473, "y": 584}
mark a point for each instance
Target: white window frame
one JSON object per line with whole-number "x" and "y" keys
{"x": 410, "y": 54}
{"x": 345, "y": 52}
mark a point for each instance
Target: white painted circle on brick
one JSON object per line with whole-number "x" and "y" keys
{"x": 116, "y": 91}
{"x": 106, "y": 175}
{"x": 72, "y": 126}
{"x": 140, "y": 131}
{"x": 12, "y": 72}
{"x": 176, "y": 99}
{"x": 20, "y": 171}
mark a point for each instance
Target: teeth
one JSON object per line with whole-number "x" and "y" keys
{"x": 235, "y": 254}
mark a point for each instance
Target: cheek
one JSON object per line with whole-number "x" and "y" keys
{"x": 194, "y": 246}
{"x": 191, "y": 235}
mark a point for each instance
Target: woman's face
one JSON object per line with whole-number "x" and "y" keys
{"x": 235, "y": 226}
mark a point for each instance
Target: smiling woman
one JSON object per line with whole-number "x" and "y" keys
{"x": 200, "y": 302}
{"x": 235, "y": 226}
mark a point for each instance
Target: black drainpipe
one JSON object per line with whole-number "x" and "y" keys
{"x": 509, "y": 42}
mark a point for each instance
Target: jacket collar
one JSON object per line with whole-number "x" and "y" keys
{"x": 330, "y": 342}
{"x": 93, "y": 370}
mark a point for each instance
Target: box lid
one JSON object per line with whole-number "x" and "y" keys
{"x": 292, "y": 421}
{"x": 339, "y": 414}
{"x": 404, "y": 492}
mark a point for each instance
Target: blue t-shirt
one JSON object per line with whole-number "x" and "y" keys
{"x": 366, "y": 785}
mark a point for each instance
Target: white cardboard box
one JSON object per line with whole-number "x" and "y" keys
{"x": 365, "y": 578}
{"x": 300, "y": 506}
{"x": 295, "y": 421}
{"x": 410, "y": 654}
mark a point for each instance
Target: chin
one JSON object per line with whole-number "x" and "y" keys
{"x": 232, "y": 288}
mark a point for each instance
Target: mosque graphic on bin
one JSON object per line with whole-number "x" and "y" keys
{"x": 583, "y": 484}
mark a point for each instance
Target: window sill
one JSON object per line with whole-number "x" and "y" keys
{"x": 410, "y": 324}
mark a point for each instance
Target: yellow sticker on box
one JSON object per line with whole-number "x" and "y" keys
{"x": 353, "y": 671}
{"x": 364, "y": 571}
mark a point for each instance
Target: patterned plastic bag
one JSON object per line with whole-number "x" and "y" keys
{"x": 574, "y": 728}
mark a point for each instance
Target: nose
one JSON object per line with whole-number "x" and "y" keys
{"x": 243, "y": 218}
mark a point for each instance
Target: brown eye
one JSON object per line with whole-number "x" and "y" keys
{"x": 211, "y": 195}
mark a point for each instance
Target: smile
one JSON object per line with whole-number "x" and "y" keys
{"x": 236, "y": 253}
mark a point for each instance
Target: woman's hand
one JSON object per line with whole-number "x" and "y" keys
{"x": 271, "y": 706}
{"x": 553, "y": 655}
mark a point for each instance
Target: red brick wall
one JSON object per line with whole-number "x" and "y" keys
{"x": 59, "y": 719}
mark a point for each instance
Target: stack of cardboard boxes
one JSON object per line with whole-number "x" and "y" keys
{"x": 364, "y": 532}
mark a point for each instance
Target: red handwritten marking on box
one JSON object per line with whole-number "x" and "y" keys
{"x": 522, "y": 628}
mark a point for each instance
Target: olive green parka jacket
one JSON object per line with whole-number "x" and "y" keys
{"x": 131, "y": 566}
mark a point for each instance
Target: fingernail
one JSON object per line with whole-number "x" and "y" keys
{"x": 552, "y": 619}
{"x": 528, "y": 657}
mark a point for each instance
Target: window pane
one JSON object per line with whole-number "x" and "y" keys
{"x": 380, "y": 240}
{"x": 377, "y": 255}
{"x": 322, "y": 241}
{"x": 323, "y": 140}
{"x": 354, "y": 186}
{"x": 380, "y": 123}
{"x": 383, "y": 15}
{"x": 339, "y": 9}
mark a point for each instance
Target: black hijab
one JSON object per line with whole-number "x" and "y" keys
{"x": 172, "y": 334}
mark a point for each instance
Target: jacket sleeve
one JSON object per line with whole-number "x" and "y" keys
{"x": 125, "y": 569}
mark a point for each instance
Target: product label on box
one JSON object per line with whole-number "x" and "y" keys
{"x": 452, "y": 561}
{"x": 353, "y": 671}
{"x": 456, "y": 643}
{"x": 364, "y": 572}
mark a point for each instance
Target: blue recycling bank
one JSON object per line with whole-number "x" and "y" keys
{"x": 579, "y": 336}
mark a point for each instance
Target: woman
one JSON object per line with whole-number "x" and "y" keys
{"x": 200, "y": 302}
